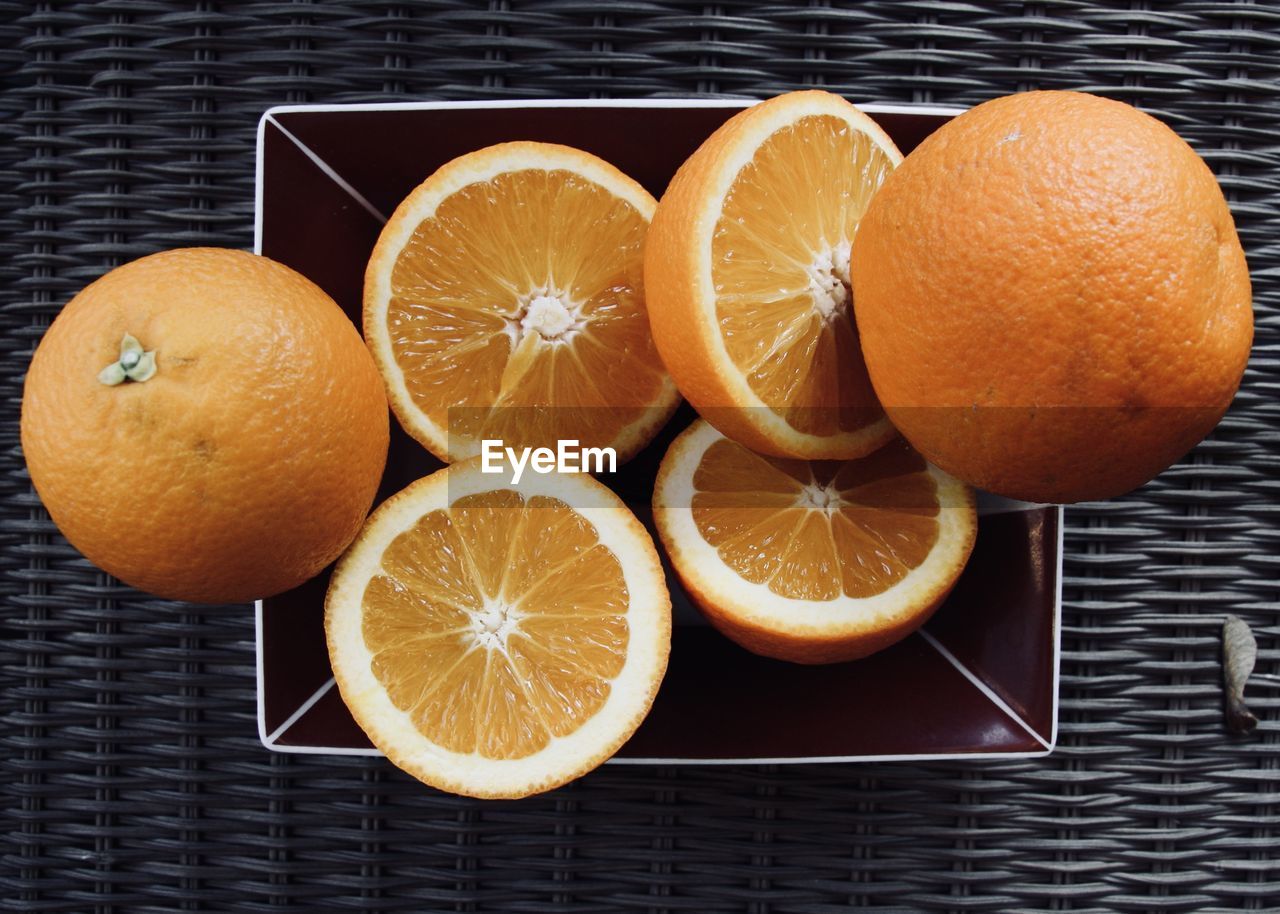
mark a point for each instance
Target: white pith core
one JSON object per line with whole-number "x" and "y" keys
{"x": 493, "y": 623}
{"x": 829, "y": 282}
{"x": 552, "y": 315}
{"x": 820, "y": 498}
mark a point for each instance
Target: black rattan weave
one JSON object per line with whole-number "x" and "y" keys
{"x": 130, "y": 768}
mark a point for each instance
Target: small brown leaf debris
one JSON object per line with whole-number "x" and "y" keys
{"x": 1239, "y": 654}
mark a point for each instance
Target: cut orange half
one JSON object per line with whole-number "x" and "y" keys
{"x": 747, "y": 270}
{"x": 498, "y": 641}
{"x": 811, "y": 561}
{"x": 505, "y": 299}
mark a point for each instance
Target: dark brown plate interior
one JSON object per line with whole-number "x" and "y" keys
{"x": 981, "y": 679}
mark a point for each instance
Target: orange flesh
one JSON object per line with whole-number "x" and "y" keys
{"x": 497, "y": 624}
{"x": 469, "y": 274}
{"x": 815, "y": 531}
{"x": 780, "y": 256}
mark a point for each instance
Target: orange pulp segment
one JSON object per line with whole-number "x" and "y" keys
{"x": 505, "y": 300}
{"x": 780, "y": 268}
{"x": 494, "y": 640}
{"x": 497, "y": 623}
{"x": 813, "y": 531}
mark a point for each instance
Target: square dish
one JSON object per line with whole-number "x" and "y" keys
{"x": 979, "y": 680}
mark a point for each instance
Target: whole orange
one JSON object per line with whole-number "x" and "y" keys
{"x": 244, "y": 464}
{"x": 1052, "y": 299}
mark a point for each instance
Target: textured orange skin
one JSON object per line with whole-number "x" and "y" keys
{"x": 671, "y": 270}
{"x": 1052, "y": 299}
{"x": 245, "y": 465}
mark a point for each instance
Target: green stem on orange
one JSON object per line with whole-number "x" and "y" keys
{"x": 134, "y": 364}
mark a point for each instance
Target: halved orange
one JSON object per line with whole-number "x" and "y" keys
{"x": 747, "y": 270}
{"x": 505, "y": 299}
{"x": 811, "y": 561}
{"x": 498, "y": 641}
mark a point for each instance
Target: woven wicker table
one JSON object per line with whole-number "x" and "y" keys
{"x": 133, "y": 779}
